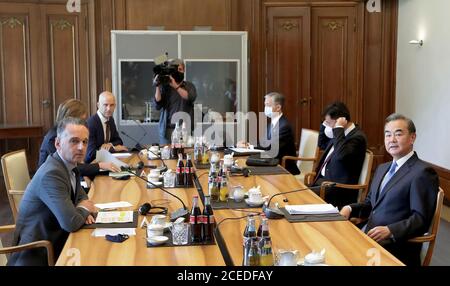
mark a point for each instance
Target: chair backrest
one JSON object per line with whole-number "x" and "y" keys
{"x": 308, "y": 149}
{"x": 366, "y": 171}
{"x": 3, "y": 259}
{"x": 17, "y": 177}
{"x": 434, "y": 227}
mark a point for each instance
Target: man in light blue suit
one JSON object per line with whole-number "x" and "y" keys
{"x": 54, "y": 204}
{"x": 402, "y": 196}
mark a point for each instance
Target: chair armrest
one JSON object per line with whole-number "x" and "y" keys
{"x": 7, "y": 228}
{"x": 292, "y": 158}
{"x": 16, "y": 192}
{"x": 353, "y": 187}
{"x": 345, "y": 186}
{"x": 36, "y": 244}
{"x": 309, "y": 178}
{"x": 424, "y": 238}
{"x": 357, "y": 220}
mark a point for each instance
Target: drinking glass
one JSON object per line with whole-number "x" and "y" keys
{"x": 180, "y": 233}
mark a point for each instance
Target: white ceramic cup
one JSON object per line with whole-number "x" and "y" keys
{"x": 159, "y": 219}
{"x": 228, "y": 160}
{"x": 154, "y": 230}
{"x": 153, "y": 153}
{"x": 254, "y": 195}
{"x": 154, "y": 176}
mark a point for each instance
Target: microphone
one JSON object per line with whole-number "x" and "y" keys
{"x": 164, "y": 167}
{"x": 238, "y": 170}
{"x": 182, "y": 212}
{"x": 276, "y": 213}
{"x": 198, "y": 186}
{"x": 138, "y": 145}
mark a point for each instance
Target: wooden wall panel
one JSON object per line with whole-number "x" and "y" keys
{"x": 15, "y": 69}
{"x": 63, "y": 59}
{"x": 288, "y": 66}
{"x": 334, "y": 60}
{"x": 380, "y": 40}
{"x": 214, "y": 13}
{"x": 66, "y": 49}
{"x": 177, "y": 14}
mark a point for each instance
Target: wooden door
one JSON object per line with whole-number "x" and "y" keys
{"x": 288, "y": 61}
{"x": 66, "y": 72}
{"x": 335, "y": 56}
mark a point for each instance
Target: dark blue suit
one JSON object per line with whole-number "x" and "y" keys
{"x": 344, "y": 165}
{"x": 48, "y": 148}
{"x": 97, "y": 136}
{"x": 406, "y": 206}
{"x": 47, "y": 212}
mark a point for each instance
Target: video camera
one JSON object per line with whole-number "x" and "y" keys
{"x": 163, "y": 70}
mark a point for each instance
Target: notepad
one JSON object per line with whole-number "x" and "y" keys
{"x": 114, "y": 217}
{"x": 113, "y": 205}
{"x": 312, "y": 209}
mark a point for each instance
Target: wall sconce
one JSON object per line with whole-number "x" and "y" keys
{"x": 416, "y": 42}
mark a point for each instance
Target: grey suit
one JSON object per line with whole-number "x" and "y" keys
{"x": 405, "y": 206}
{"x": 48, "y": 212}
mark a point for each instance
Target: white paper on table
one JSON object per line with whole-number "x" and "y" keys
{"x": 121, "y": 155}
{"x": 101, "y": 232}
{"x": 113, "y": 205}
{"x": 246, "y": 150}
{"x": 114, "y": 217}
{"x": 312, "y": 209}
{"x": 120, "y": 174}
{"x": 104, "y": 156}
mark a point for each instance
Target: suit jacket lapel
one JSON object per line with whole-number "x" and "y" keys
{"x": 100, "y": 131}
{"x": 403, "y": 171}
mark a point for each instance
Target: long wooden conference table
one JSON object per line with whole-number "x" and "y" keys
{"x": 344, "y": 243}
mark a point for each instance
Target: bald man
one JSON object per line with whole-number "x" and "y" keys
{"x": 102, "y": 128}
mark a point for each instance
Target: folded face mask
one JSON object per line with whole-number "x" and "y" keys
{"x": 117, "y": 238}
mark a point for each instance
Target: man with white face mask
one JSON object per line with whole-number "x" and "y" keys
{"x": 325, "y": 135}
{"x": 279, "y": 130}
{"x": 343, "y": 158}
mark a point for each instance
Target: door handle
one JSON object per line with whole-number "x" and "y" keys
{"x": 305, "y": 100}
{"x": 46, "y": 103}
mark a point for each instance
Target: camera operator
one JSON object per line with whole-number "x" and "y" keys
{"x": 178, "y": 95}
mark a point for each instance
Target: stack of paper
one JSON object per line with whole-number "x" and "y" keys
{"x": 114, "y": 217}
{"x": 312, "y": 209}
{"x": 119, "y": 174}
{"x": 246, "y": 150}
{"x": 113, "y": 205}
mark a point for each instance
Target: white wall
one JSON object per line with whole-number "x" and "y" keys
{"x": 423, "y": 75}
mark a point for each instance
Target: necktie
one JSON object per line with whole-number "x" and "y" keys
{"x": 75, "y": 186}
{"x": 388, "y": 176}
{"x": 108, "y": 132}
{"x": 327, "y": 159}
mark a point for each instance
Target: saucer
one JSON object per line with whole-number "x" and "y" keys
{"x": 254, "y": 204}
{"x": 157, "y": 240}
{"x": 301, "y": 262}
{"x": 166, "y": 225}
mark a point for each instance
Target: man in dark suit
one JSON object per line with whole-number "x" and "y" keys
{"x": 54, "y": 204}
{"x": 402, "y": 196}
{"x": 278, "y": 132}
{"x": 102, "y": 128}
{"x": 342, "y": 160}
{"x": 71, "y": 108}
